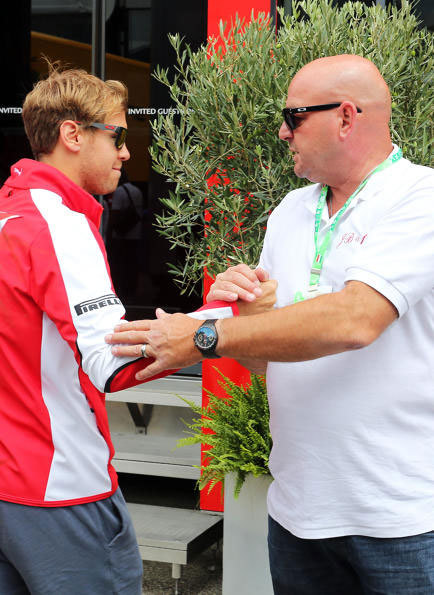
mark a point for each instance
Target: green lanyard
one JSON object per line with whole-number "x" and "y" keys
{"x": 320, "y": 250}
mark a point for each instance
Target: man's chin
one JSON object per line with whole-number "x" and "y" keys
{"x": 303, "y": 174}
{"x": 102, "y": 190}
{"x": 298, "y": 171}
{"x": 97, "y": 192}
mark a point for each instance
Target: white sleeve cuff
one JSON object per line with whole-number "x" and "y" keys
{"x": 381, "y": 285}
{"x": 212, "y": 313}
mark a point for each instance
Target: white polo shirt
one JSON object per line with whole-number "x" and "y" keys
{"x": 353, "y": 433}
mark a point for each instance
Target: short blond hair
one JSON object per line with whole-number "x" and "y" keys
{"x": 68, "y": 94}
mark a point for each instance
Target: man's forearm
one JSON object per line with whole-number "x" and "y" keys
{"x": 253, "y": 365}
{"x": 328, "y": 324}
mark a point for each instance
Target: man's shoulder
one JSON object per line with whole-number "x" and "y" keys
{"x": 407, "y": 182}
{"x": 414, "y": 173}
{"x": 19, "y": 201}
{"x": 401, "y": 182}
{"x": 40, "y": 211}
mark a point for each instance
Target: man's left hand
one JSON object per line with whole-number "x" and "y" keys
{"x": 262, "y": 303}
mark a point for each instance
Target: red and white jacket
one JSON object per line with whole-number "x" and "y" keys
{"x": 57, "y": 303}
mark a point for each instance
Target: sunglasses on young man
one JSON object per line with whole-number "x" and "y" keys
{"x": 289, "y": 112}
{"x": 119, "y": 131}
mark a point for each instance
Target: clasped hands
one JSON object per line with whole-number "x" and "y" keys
{"x": 169, "y": 338}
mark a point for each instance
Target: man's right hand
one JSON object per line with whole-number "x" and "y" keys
{"x": 253, "y": 292}
{"x": 239, "y": 282}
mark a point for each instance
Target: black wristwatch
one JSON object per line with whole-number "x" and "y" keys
{"x": 206, "y": 338}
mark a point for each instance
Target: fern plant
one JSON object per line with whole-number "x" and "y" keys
{"x": 220, "y": 147}
{"x": 236, "y": 430}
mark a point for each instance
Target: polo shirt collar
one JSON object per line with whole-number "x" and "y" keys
{"x": 375, "y": 184}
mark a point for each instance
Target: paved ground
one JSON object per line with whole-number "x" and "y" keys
{"x": 202, "y": 576}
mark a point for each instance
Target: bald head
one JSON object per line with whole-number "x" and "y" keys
{"x": 345, "y": 77}
{"x": 339, "y": 146}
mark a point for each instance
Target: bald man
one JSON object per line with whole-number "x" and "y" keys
{"x": 349, "y": 349}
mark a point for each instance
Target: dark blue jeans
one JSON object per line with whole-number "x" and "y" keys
{"x": 350, "y": 565}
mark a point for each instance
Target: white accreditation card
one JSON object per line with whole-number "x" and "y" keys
{"x": 311, "y": 292}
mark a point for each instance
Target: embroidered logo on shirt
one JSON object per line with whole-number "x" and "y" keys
{"x": 349, "y": 238}
{"x": 97, "y": 303}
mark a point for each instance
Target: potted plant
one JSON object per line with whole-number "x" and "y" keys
{"x": 235, "y": 429}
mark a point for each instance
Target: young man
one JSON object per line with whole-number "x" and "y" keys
{"x": 350, "y": 372}
{"x": 65, "y": 528}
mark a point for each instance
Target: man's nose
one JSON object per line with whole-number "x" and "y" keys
{"x": 285, "y": 133}
{"x": 124, "y": 154}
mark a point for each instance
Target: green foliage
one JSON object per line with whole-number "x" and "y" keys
{"x": 229, "y": 106}
{"x": 236, "y": 428}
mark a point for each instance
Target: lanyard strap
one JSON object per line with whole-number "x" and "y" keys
{"x": 320, "y": 250}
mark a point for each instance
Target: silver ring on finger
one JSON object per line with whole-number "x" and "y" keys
{"x": 143, "y": 350}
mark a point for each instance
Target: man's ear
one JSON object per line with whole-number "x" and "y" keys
{"x": 347, "y": 114}
{"x": 71, "y": 136}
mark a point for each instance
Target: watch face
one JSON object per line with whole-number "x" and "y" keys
{"x": 206, "y": 338}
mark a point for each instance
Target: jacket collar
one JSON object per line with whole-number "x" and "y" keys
{"x": 28, "y": 174}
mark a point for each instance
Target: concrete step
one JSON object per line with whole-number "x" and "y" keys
{"x": 146, "y": 454}
{"x": 163, "y": 391}
{"x": 174, "y": 535}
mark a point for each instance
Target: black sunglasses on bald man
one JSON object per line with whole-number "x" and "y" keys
{"x": 292, "y": 123}
{"x": 119, "y": 131}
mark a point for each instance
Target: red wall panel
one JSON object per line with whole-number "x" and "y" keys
{"x": 226, "y": 10}
{"x": 223, "y": 10}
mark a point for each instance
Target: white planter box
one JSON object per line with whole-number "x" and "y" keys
{"x": 245, "y": 527}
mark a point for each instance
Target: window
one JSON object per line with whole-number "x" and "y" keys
{"x": 132, "y": 39}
